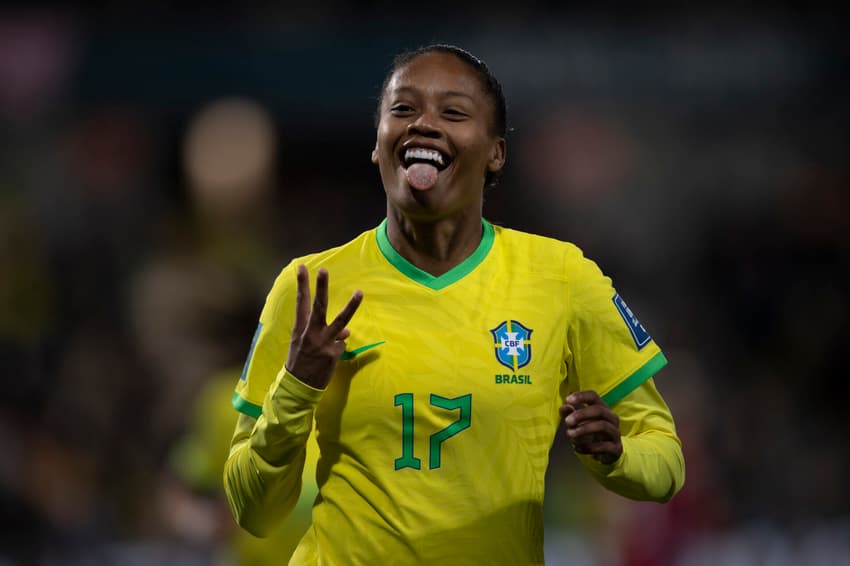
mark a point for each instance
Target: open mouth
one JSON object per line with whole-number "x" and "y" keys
{"x": 412, "y": 155}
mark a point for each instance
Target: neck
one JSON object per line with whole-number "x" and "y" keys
{"x": 435, "y": 246}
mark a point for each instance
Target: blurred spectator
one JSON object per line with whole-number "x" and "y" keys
{"x": 197, "y": 294}
{"x": 192, "y": 506}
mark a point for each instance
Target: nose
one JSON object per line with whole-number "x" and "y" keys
{"x": 424, "y": 126}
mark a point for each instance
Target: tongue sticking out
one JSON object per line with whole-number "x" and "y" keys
{"x": 421, "y": 176}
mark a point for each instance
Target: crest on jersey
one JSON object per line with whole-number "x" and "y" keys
{"x": 513, "y": 344}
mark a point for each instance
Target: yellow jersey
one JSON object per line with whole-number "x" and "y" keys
{"x": 434, "y": 432}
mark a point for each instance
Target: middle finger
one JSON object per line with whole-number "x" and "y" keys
{"x": 320, "y": 302}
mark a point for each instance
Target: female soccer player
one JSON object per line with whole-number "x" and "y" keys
{"x": 436, "y": 405}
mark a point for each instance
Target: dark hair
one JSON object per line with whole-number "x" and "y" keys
{"x": 491, "y": 86}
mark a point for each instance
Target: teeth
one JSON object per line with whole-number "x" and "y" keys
{"x": 419, "y": 153}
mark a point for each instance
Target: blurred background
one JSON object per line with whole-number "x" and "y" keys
{"x": 159, "y": 166}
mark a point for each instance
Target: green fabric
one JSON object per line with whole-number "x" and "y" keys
{"x": 634, "y": 381}
{"x": 453, "y": 275}
{"x": 244, "y": 406}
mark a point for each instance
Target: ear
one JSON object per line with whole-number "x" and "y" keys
{"x": 375, "y": 154}
{"x": 497, "y": 156}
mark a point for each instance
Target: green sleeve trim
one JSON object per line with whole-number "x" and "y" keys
{"x": 453, "y": 275}
{"x": 634, "y": 381}
{"x": 245, "y": 407}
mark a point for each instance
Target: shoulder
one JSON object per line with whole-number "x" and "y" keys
{"x": 352, "y": 250}
{"x": 543, "y": 256}
{"x": 339, "y": 261}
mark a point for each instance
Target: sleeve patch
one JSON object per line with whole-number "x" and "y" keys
{"x": 638, "y": 332}
{"x": 244, "y": 375}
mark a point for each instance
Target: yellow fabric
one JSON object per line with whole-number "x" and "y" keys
{"x": 467, "y": 487}
{"x": 281, "y": 537}
{"x": 652, "y": 467}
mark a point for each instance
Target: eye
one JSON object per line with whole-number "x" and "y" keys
{"x": 455, "y": 114}
{"x": 401, "y": 109}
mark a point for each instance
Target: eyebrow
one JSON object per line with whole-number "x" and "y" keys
{"x": 446, "y": 94}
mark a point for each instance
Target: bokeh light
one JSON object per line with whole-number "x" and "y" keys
{"x": 230, "y": 150}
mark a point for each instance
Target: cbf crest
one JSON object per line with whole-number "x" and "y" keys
{"x": 513, "y": 344}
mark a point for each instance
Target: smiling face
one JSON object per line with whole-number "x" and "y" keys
{"x": 435, "y": 111}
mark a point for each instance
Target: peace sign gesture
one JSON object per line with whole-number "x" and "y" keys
{"x": 316, "y": 346}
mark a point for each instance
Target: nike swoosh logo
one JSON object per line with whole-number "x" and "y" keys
{"x": 357, "y": 351}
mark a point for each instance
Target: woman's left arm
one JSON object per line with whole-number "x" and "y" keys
{"x": 631, "y": 448}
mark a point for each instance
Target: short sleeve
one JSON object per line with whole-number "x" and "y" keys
{"x": 611, "y": 352}
{"x": 270, "y": 345}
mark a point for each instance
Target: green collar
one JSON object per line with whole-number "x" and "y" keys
{"x": 453, "y": 275}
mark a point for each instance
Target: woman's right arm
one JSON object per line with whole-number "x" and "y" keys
{"x": 262, "y": 475}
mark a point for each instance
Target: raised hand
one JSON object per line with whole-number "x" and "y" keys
{"x": 316, "y": 346}
{"x": 592, "y": 427}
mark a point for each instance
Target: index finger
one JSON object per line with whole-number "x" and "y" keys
{"x": 346, "y": 314}
{"x": 588, "y": 397}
